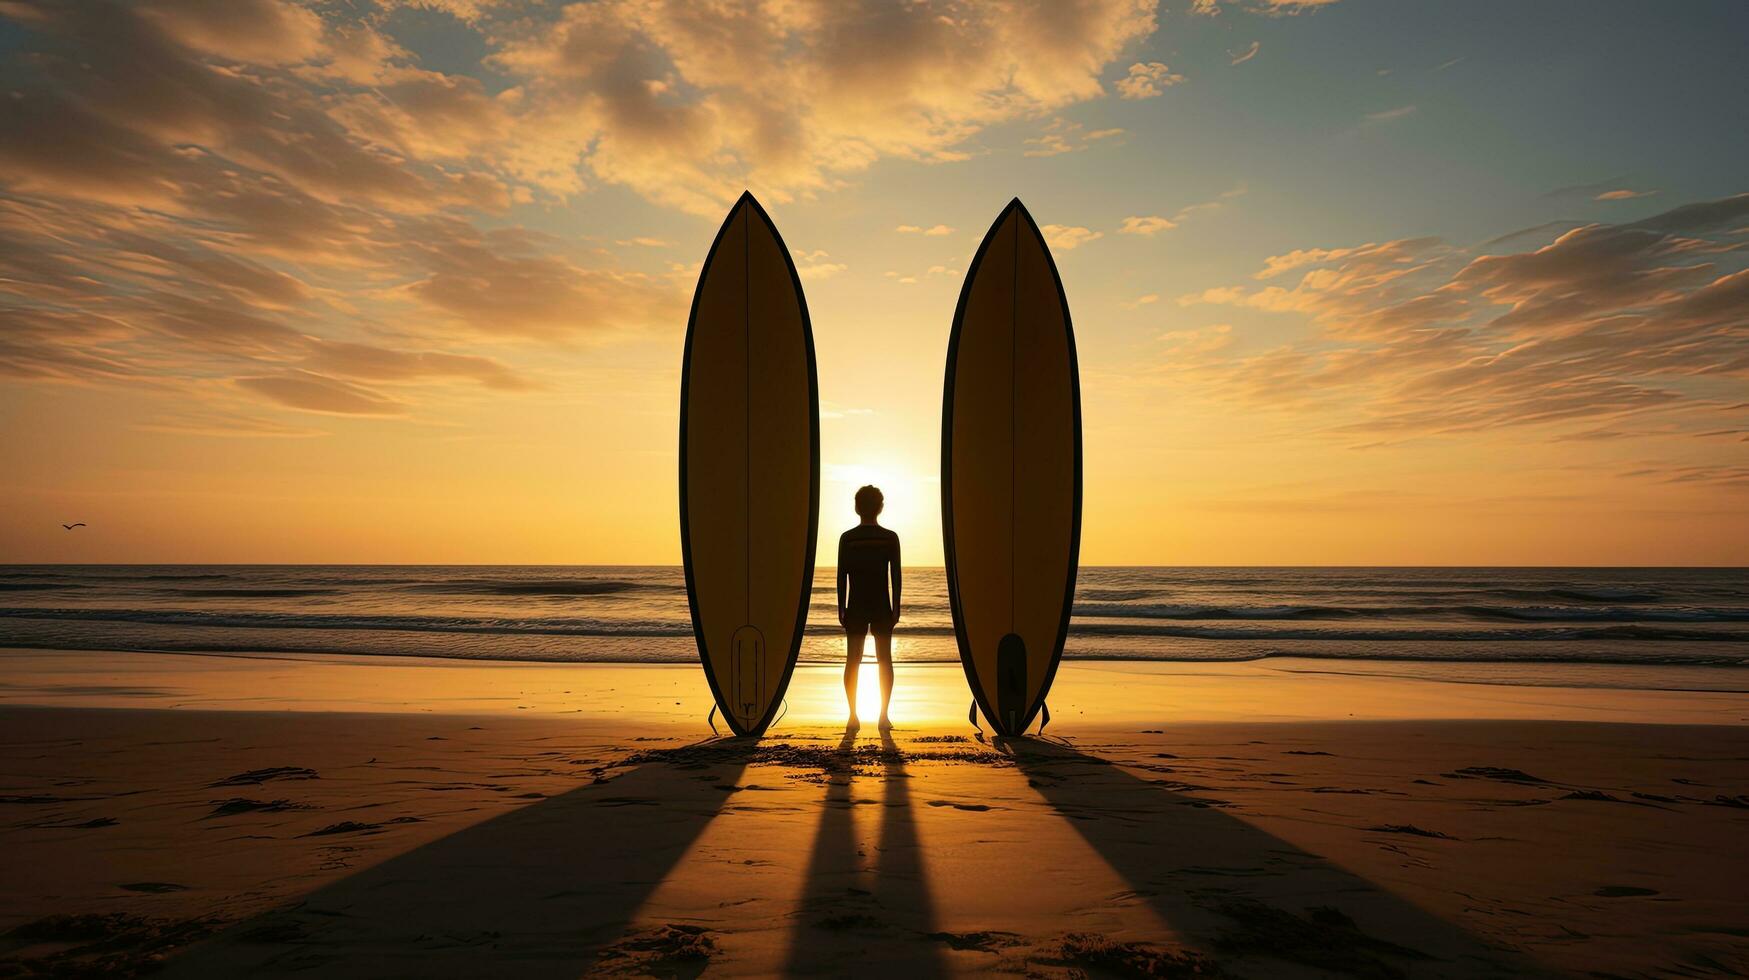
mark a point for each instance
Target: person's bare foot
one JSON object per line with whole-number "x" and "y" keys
{"x": 886, "y": 724}
{"x": 853, "y": 724}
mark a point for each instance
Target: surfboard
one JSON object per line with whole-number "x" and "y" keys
{"x": 749, "y": 466}
{"x": 1011, "y": 471}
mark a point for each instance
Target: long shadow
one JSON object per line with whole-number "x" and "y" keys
{"x": 830, "y": 884}
{"x": 902, "y": 888}
{"x": 1244, "y": 892}
{"x": 841, "y": 926}
{"x": 537, "y": 892}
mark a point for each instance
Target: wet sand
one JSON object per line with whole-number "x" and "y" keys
{"x": 216, "y": 815}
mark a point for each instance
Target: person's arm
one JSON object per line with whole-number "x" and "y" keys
{"x": 843, "y": 581}
{"x": 898, "y": 578}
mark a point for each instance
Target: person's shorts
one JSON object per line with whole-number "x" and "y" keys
{"x": 855, "y": 622}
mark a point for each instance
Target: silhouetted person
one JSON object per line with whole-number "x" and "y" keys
{"x": 868, "y": 555}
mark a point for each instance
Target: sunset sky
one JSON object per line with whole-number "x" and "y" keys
{"x": 1353, "y": 282}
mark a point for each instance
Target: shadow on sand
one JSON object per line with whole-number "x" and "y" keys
{"x": 1255, "y": 899}
{"x": 846, "y": 923}
{"x": 537, "y": 892}
{"x": 542, "y": 891}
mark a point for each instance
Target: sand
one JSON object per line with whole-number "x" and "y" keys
{"x": 222, "y": 815}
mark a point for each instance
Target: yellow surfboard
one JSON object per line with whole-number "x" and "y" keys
{"x": 749, "y": 466}
{"x": 1011, "y": 471}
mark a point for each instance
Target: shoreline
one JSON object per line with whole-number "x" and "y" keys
{"x": 928, "y": 694}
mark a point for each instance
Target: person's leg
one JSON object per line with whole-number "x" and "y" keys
{"x": 854, "y": 635}
{"x": 884, "y": 654}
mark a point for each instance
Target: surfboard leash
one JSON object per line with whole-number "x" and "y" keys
{"x": 711, "y": 720}
{"x": 972, "y": 716}
{"x": 1044, "y": 706}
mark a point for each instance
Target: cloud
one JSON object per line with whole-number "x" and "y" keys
{"x": 1272, "y": 8}
{"x": 316, "y": 393}
{"x": 1416, "y": 337}
{"x": 659, "y": 96}
{"x": 1062, "y": 136}
{"x": 1390, "y": 115}
{"x": 274, "y": 203}
{"x": 467, "y": 11}
{"x": 1734, "y": 477}
{"x": 1240, "y": 56}
{"x": 1140, "y": 301}
{"x": 373, "y": 363}
{"x": 686, "y": 105}
{"x": 505, "y": 284}
{"x": 1622, "y": 194}
{"x": 1189, "y": 345}
{"x": 212, "y": 422}
{"x": 814, "y": 266}
{"x": 264, "y": 32}
{"x": 1147, "y": 80}
{"x": 1702, "y": 216}
{"x": 932, "y": 231}
{"x": 1148, "y": 225}
{"x": 1064, "y": 238}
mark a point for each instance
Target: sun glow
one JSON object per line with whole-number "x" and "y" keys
{"x": 868, "y": 685}
{"x": 912, "y": 509}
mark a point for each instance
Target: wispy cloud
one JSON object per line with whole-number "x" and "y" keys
{"x": 316, "y": 393}
{"x": 1064, "y": 136}
{"x": 1622, "y": 194}
{"x": 1152, "y": 224}
{"x": 1390, "y": 115}
{"x": 1273, "y": 8}
{"x": 934, "y": 231}
{"x": 1602, "y": 323}
{"x": 1242, "y": 55}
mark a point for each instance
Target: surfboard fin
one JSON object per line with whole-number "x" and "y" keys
{"x": 972, "y": 716}
{"x": 1046, "y": 709}
{"x": 711, "y": 720}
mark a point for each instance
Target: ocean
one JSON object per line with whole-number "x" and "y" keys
{"x": 1650, "y": 617}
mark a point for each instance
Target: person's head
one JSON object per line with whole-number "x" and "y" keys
{"x": 869, "y": 503}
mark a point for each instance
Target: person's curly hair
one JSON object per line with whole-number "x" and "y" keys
{"x": 869, "y": 501}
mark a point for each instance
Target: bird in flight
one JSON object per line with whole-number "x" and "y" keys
{"x": 72, "y": 526}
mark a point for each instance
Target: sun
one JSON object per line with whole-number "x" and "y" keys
{"x": 912, "y": 508}
{"x": 868, "y": 685}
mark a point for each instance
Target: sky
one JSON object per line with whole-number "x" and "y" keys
{"x": 406, "y": 281}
